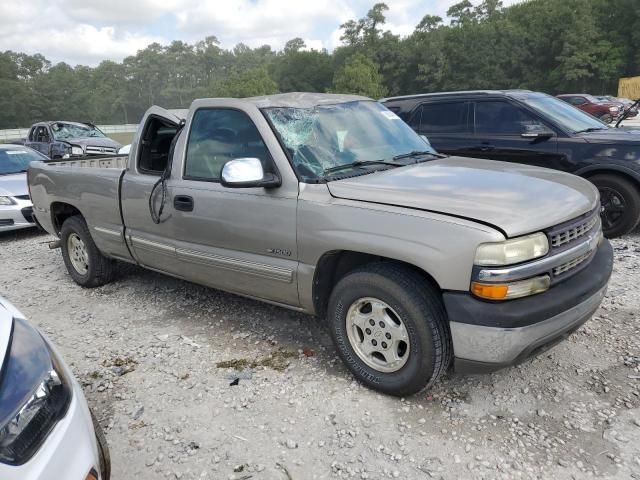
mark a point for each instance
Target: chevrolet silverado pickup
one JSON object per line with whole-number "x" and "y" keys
{"x": 331, "y": 205}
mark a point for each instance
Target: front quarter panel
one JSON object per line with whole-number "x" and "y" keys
{"x": 442, "y": 246}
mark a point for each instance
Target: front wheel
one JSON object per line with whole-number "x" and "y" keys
{"x": 85, "y": 263}
{"x": 390, "y": 328}
{"x": 620, "y": 201}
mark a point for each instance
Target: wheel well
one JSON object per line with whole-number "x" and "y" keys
{"x": 591, "y": 173}
{"x": 334, "y": 265}
{"x": 60, "y": 212}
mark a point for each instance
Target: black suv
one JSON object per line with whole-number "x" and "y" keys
{"x": 536, "y": 129}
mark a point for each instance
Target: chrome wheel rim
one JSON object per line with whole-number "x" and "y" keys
{"x": 378, "y": 335}
{"x": 78, "y": 254}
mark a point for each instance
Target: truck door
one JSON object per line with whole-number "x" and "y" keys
{"x": 151, "y": 243}
{"x": 39, "y": 139}
{"x": 241, "y": 240}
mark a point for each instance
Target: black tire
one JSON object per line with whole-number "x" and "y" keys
{"x": 103, "y": 449}
{"x": 100, "y": 268}
{"x": 420, "y": 307}
{"x": 621, "y": 204}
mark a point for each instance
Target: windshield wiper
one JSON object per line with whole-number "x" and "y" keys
{"x": 361, "y": 163}
{"x": 626, "y": 112}
{"x": 590, "y": 129}
{"x": 418, "y": 153}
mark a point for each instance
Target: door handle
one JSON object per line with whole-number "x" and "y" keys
{"x": 184, "y": 203}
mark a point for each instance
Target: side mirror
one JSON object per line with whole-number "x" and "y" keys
{"x": 538, "y": 134}
{"x": 247, "y": 173}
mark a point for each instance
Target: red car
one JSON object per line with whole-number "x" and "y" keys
{"x": 604, "y": 110}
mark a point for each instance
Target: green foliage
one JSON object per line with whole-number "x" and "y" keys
{"x": 248, "y": 83}
{"x": 359, "y": 75}
{"x": 547, "y": 45}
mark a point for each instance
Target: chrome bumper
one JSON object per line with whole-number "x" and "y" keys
{"x": 500, "y": 347}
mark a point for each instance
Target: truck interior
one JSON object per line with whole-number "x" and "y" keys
{"x": 156, "y": 145}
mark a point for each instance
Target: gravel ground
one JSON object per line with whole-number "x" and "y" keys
{"x": 192, "y": 383}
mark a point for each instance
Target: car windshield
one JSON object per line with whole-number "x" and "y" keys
{"x": 329, "y": 136}
{"x": 62, "y": 131}
{"x": 17, "y": 160}
{"x": 566, "y": 115}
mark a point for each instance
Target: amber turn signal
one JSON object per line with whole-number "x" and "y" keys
{"x": 489, "y": 291}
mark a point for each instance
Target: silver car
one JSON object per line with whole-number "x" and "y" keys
{"x": 16, "y": 210}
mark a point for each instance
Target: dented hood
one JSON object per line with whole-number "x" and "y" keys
{"x": 517, "y": 199}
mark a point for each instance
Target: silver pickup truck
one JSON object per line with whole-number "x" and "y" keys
{"x": 331, "y": 205}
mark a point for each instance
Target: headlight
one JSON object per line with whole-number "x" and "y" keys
{"x": 77, "y": 151}
{"x": 34, "y": 394}
{"x": 510, "y": 290}
{"x": 613, "y": 109}
{"x": 512, "y": 251}
{"x": 6, "y": 201}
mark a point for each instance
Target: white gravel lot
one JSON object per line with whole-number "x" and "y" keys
{"x": 146, "y": 350}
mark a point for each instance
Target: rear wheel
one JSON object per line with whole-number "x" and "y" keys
{"x": 84, "y": 262}
{"x": 390, "y": 328}
{"x": 620, "y": 201}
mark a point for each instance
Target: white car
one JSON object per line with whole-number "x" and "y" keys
{"x": 16, "y": 210}
{"x": 46, "y": 428}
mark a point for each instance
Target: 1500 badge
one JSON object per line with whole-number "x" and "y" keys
{"x": 279, "y": 251}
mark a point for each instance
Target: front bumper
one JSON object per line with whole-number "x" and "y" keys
{"x": 488, "y": 336}
{"x": 70, "y": 450}
{"x": 14, "y": 217}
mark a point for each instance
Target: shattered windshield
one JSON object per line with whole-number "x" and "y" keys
{"x": 62, "y": 131}
{"x": 328, "y": 136}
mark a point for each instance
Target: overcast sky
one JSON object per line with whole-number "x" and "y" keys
{"x": 88, "y": 31}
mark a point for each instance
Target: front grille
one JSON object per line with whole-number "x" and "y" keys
{"x": 571, "y": 264}
{"x": 574, "y": 231}
{"x": 22, "y": 197}
{"x": 101, "y": 150}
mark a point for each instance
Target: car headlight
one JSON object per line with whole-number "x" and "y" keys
{"x": 77, "y": 151}
{"x": 6, "y": 201}
{"x": 512, "y": 251}
{"x": 613, "y": 109}
{"x": 34, "y": 394}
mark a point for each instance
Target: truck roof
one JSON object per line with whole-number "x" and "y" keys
{"x": 303, "y": 99}
{"x": 461, "y": 93}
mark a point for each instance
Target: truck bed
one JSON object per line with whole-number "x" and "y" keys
{"x": 102, "y": 161}
{"x": 90, "y": 186}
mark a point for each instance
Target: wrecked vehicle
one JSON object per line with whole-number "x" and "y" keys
{"x": 331, "y": 205}
{"x": 70, "y": 139}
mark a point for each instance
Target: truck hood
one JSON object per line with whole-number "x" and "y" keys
{"x": 13, "y": 185}
{"x": 93, "y": 141}
{"x": 516, "y": 199}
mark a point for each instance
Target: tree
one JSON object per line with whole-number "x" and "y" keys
{"x": 359, "y": 75}
{"x": 249, "y": 83}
